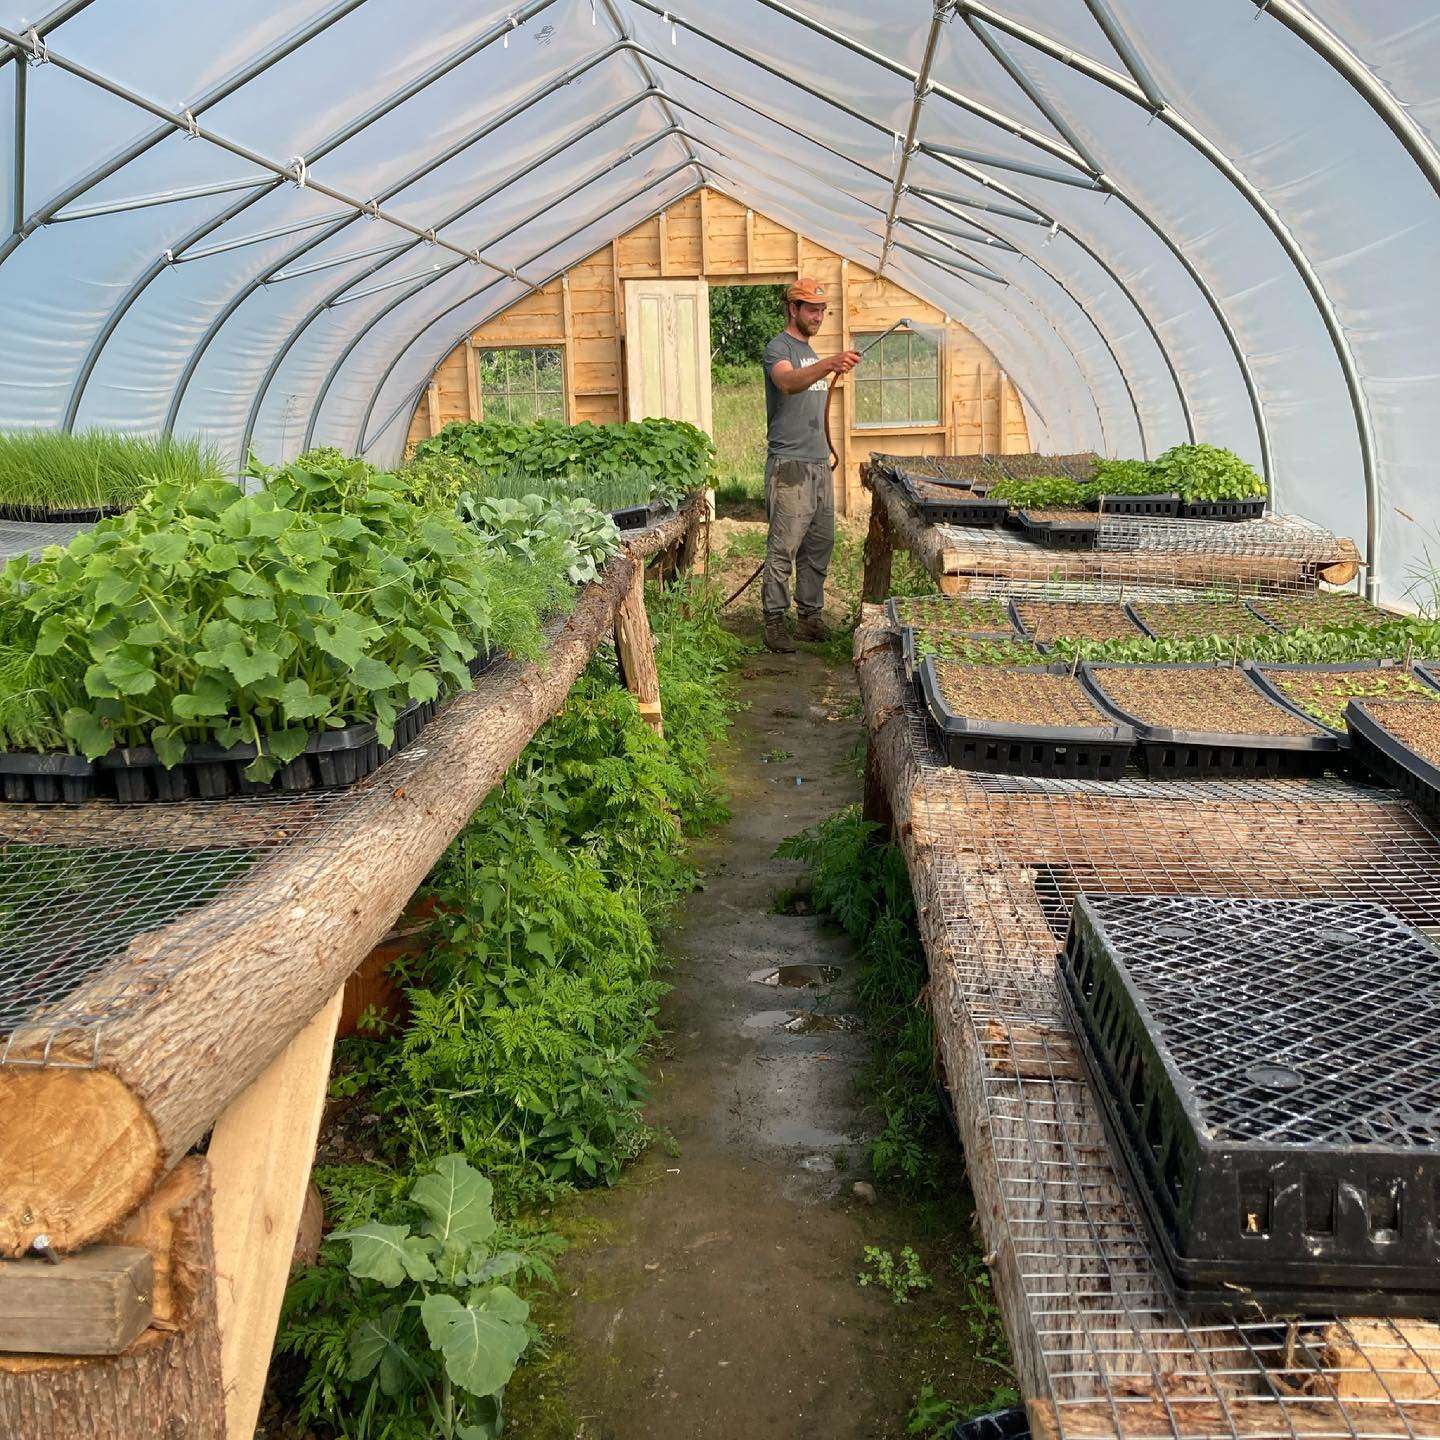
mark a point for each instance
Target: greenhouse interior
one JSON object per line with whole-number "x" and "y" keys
{"x": 748, "y": 742}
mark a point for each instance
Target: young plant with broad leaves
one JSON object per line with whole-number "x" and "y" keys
{"x": 454, "y": 1331}
{"x": 533, "y": 527}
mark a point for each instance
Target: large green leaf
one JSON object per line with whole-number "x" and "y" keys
{"x": 456, "y": 1200}
{"x": 376, "y": 1343}
{"x": 387, "y": 1253}
{"x": 481, "y": 1343}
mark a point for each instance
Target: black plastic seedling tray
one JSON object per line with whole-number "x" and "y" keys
{"x": 1269, "y": 1074}
{"x": 959, "y": 511}
{"x": 32, "y": 777}
{"x": 1223, "y": 509}
{"x": 1391, "y": 758}
{"x": 641, "y": 517}
{"x": 1078, "y": 534}
{"x": 1257, "y": 671}
{"x": 1092, "y": 752}
{"x": 910, "y": 656}
{"x": 1172, "y": 754}
{"x": 1155, "y": 505}
{"x": 35, "y": 515}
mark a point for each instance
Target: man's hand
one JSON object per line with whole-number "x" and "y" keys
{"x": 843, "y": 363}
{"x": 792, "y": 381}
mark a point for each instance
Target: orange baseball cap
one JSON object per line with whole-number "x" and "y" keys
{"x": 807, "y": 290}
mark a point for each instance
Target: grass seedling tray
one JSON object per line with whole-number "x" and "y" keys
{"x": 37, "y": 515}
{"x": 1252, "y": 509}
{"x": 1399, "y": 740}
{"x": 1184, "y": 619}
{"x": 1083, "y": 744}
{"x": 1175, "y": 709}
{"x": 641, "y": 517}
{"x": 961, "y": 507}
{"x": 1060, "y": 529}
{"x": 1043, "y": 621}
{"x": 1322, "y": 692}
{"x": 1269, "y": 1073}
{"x": 1163, "y": 506}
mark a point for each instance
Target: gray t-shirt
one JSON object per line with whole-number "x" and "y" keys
{"x": 795, "y": 424}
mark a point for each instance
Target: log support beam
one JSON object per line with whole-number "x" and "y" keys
{"x": 635, "y": 648}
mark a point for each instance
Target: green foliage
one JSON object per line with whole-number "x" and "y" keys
{"x": 434, "y": 480}
{"x": 1205, "y": 472}
{"x": 1123, "y": 477}
{"x": 966, "y": 650}
{"x": 570, "y": 536}
{"x": 743, "y": 319}
{"x": 418, "y": 1322}
{"x": 209, "y": 614}
{"x": 1045, "y": 492}
{"x": 46, "y": 470}
{"x": 611, "y": 465}
{"x": 864, "y": 887}
{"x": 899, "y": 1276}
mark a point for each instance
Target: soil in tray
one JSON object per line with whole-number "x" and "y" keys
{"x": 1309, "y": 612}
{"x": 1187, "y": 618}
{"x": 955, "y": 615}
{"x": 1325, "y": 693}
{"x": 971, "y": 650}
{"x": 1060, "y": 516}
{"x": 1047, "y": 620}
{"x": 1033, "y": 467}
{"x": 1415, "y": 723}
{"x": 1216, "y": 701}
{"x": 1017, "y": 697}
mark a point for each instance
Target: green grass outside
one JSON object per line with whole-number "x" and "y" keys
{"x": 739, "y": 420}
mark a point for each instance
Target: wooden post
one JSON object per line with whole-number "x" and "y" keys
{"x": 432, "y": 406}
{"x": 165, "y": 1384}
{"x": 879, "y": 554}
{"x": 567, "y": 355}
{"x": 472, "y": 380}
{"x": 636, "y": 650}
{"x": 664, "y": 223}
{"x": 261, "y": 1153}
{"x": 749, "y": 241}
{"x": 705, "y": 232}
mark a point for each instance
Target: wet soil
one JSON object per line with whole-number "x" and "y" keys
{"x": 1311, "y": 611}
{"x": 713, "y": 1292}
{"x": 1219, "y": 701}
{"x": 1046, "y": 620}
{"x": 941, "y": 613}
{"x": 1185, "y": 619}
{"x": 1009, "y": 697}
{"x": 1416, "y": 723}
{"x": 1325, "y": 693}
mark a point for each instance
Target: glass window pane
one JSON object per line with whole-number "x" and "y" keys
{"x": 550, "y": 373}
{"x": 894, "y": 353}
{"x": 895, "y": 402}
{"x": 552, "y": 406}
{"x": 924, "y": 356}
{"x": 867, "y": 403}
{"x": 925, "y": 402}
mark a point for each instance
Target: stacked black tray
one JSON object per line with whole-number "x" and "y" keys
{"x": 1269, "y": 1074}
{"x": 1067, "y": 534}
{"x": 641, "y": 517}
{"x": 966, "y": 508}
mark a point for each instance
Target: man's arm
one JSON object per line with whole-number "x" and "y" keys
{"x": 791, "y": 381}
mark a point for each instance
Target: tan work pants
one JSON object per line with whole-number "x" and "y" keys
{"x": 800, "y": 503}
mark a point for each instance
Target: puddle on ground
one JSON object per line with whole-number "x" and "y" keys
{"x": 801, "y": 1022}
{"x": 797, "y": 977}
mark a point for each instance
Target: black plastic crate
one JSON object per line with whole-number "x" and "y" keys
{"x": 1171, "y": 753}
{"x": 1269, "y": 1073}
{"x": 1253, "y": 509}
{"x": 1089, "y": 752}
{"x": 1389, "y": 757}
{"x": 641, "y": 517}
{"x": 33, "y": 777}
{"x": 1077, "y": 534}
{"x": 1157, "y": 505}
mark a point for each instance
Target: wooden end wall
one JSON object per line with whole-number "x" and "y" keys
{"x": 712, "y": 237}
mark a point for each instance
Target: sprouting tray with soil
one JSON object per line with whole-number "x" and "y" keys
{"x": 1314, "y": 612}
{"x": 1012, "y": 697}
{"x": 1047, "y": 620}
{"x": 1413, "y": 722}
{"x": 1323, "y": 691}
{"x": 974, "y": 650}
{"x": 1198, "y": 699}
{"x": 961, "y": 616}
{"x": 1195, "y": 619}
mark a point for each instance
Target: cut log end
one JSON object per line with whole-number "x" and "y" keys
{"x": 78, "y": 1153}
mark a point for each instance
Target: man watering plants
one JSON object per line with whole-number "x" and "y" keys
{"x": 799, "y": 489}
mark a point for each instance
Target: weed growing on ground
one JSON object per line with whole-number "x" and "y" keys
{"x": 899, "y": 1276}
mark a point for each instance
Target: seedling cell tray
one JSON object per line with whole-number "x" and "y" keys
{"x": 1253, "y": 509}
{"x": 910, "y": 656}
{"x": 641, "y": 517}
{"x": 1389, "y": 757}
{"x": 1088, "y": 752}
{"x": 959, "y": 511}
{"x": 30, "y": 777}
{"x": 1067, "y": 534}
{"x": 37, "y": 515}
{"x": 1178, "y": 753}
{"x": 1156, "y": 505}
{"x": 1261, "y": 672}
{"x": 1269, "y": 1074}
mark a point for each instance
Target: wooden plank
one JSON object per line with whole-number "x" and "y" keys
{"x": 567, "y": 353}
{"x": 432, "y": 406}
{"x": 261, "y": 1153}
{"x": 750, "y": 240}
{"x": 472, "y": 380}
{"x": 664, "y": 222}
{"x": 705, "y": 231}
{"x": 93, "y": 1303}
{"x": 635, "y": 650}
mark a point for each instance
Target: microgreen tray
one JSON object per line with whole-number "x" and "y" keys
{"x": 1389, "y": 757}
{"x": 1088, "y": 752}
{"x": 1266, "y": 1072}
{"x": 959, "y": 511}
{"x": 37, "y": 515}
{"x": 1260, "y": 671}
{"x": 1077, "y": 534}
{"x": 1175, "y": 752}
{"x": 1158, "y": 505}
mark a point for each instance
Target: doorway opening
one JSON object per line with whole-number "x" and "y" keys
{"x": 743, "y": 318}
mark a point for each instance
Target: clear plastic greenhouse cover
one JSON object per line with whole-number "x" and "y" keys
{"x": 268, "y": 222}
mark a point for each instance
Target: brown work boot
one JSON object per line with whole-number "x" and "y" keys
{"x": 777, "y": 638}
{"x": 812, "y": 627}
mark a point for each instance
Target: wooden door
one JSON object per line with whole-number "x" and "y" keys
{"x": 667, "y": 351}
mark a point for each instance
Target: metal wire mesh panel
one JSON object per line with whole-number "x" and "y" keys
{"x": 22, "y": 537}
{"x": 1285, "y": 537}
